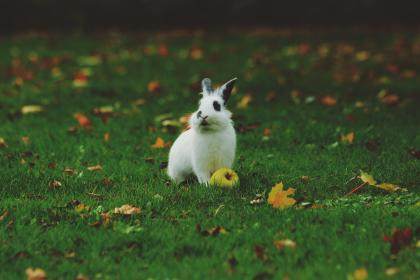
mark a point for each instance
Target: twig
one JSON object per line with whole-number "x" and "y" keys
{"x": 356, "y": 189}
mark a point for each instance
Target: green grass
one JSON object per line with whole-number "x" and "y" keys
{"x": 342, "y": 234}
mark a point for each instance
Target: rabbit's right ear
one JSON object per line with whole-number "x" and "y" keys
{"x": 206, "y": 85}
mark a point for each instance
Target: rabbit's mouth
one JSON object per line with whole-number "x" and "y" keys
{"x": 204, "y": 122}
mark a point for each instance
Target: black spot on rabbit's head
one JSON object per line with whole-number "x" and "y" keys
{"x": 216, "y": 106}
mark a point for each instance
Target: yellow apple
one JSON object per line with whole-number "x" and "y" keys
{"x": 225, "y": 178}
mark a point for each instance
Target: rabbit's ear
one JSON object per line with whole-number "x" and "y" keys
{"x": 206, "y": 86}
{"x": 226, "y": 89}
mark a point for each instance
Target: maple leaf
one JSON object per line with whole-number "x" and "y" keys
{"x": 279, "y": 198}
{"x": 160, "y": 143}
{"x": 348, "y": 138}
{"x": 83, "y": 120}
{"x": 328, "y": 101}
{"x": 30, "y": 109}
{"x": 389, "y": 187}
{"x": 127, "y": 209}
{"x": 35, "y": 274}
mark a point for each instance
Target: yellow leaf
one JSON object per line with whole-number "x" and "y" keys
{"x": 35, "y": 274}
{"x": 367, "y": 178}
{"x": 279, "y": 198}
{"x": 391, "y": 271}
{"x": 244, "y": 101}
{"x": 30, "y": 109}
{"x": 388, "y": 187}
{"x": 359, "y": 274}
{"x": 2, "y": 143}
{"x": 127, "y": 209}
{"x": 348, "y": 138}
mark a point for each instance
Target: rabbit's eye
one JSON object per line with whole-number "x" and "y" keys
{"x": 216, "y": 106}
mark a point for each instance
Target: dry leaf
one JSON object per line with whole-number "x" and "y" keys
{"x": 106, "y": 136}
{"x": 153, "y": 86}
{"x": 391, "y": 271}
{"x": 244, "y": 102}
{"x": 362, "y": 56}
{"x": 285, "y": 243}
{"x": 127, "y": 209}
{"x": 267, "y": 132}
{"x": 35, "y": 274}
{"x": 389, "y": 187}
{"x": 359, "y": 274}
{"x": 55, "y": 184}
{"x": 163, "y": 50}
{"x": 4, "y": 215}
{"x": 81, "y": 79}
{"x": 196, "y": 53}
{"x": 2, "y": 143}
{"x": 25, "y": 140}
{"x": 83, "y": 120}
{"x": 160, "y": 143}
{"x": 30, "y": 109}
{"x": 348, "y": 138}
{"x": 94, "y": 168}
{"x": 328, "y": 100}
{"x": 279, "y": 198}
{"x": 368, "y": 179}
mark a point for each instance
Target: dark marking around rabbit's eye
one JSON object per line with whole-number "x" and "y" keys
{"x": 216, "y": 106}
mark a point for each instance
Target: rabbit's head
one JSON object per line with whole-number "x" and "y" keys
{"x": 212, "y": 114}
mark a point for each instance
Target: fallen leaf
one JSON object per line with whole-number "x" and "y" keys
{"x": 127, "y": 209}
{"x": 25, "y": 140}
{"x": 94, "y": 168}
{"x": 244, "y": 102}
{"x": 35, "y": 274}
{"x": 279, "y": 198}
{"x": 55, "y": 184}
{"x": 391, "y": 271}
{"x": 139, "y": 102}
{"x": 388, "y": 98}
{"x": 359, "y": 274}
{"x": 196, "y": 53}
{"x": 259, "y": 198}
{"x": 106, "y": 136}
{"x": 2, "y": 143}
{"x": 284, "y": 243}
{"x": 328, "y": 101}
{"x": 4, "y": 215}
{"x": 79, "y": 208}
{"x": 260, "y": 252}
{"x": 367, "y": 178}
{"x": 415, "y": 153}
{"x": 348, "y": 138}
{"x": 104, "y": 112}
{"x": 362, "y": 56}
{"x": 83, "y": 120}
{"x": 210, "y": 232}
{"x": 389, "y": 187}
{"x": 163, "y": 50}
{"x": 69, "y": 171}
{"x": 153, "y": 86}
{"x": 30, "y": 109}
{"x": 80, "y": 79}
{"x": 160, "y": 143}
{"x": 267, "y": 132}
{"x": 399, "y": 239}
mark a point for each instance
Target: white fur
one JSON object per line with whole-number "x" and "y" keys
{"x": 203, "y": 149}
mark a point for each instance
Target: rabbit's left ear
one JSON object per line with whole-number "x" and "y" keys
{"x": 226, "y": 89}
{"x": 206, "y": 86}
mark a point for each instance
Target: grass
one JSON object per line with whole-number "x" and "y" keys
{"x": 46, "y": 228}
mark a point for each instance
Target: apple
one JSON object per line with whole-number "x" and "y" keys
{"x": 225, "y": 178}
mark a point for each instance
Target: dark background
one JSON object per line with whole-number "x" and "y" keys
{"x": 142, "y": 14}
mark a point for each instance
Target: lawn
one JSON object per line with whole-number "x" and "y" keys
{"x": 79, "y": 115}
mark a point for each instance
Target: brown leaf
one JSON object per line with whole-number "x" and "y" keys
{"x": 215, "y": 231}
{"x": 106, "y": 136}
{"x": 348, "y": 138}
{"x": 25, "y": 140}
{"x": 35, "y": 274}
{"x": 69, "y": 171}
{"x": 196, "y": 53}
{"x": 399, "y": 239}
{"x": 267, "y": 132}
{"x": 4, "y": 215}
{"x": 127, "y": 209}
{"x": 260, "y": 252}
{"x": 244, "y": 102}
{"x": 415, "y": 153}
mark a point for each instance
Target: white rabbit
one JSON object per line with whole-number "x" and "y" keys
{"x": 210, "y": 143}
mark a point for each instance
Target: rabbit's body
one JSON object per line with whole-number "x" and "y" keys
{"x": 210, "y": 143}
